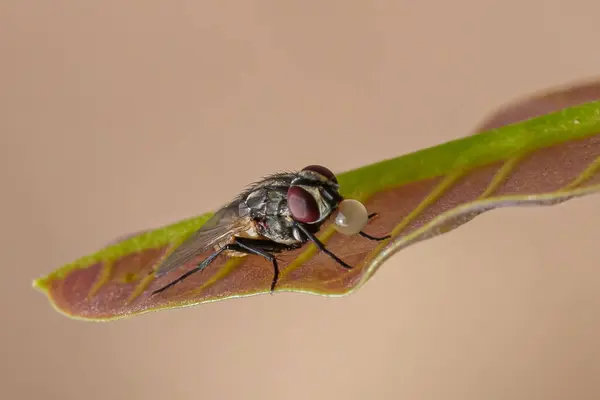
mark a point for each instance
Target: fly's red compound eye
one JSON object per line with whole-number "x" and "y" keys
{"x": 319, "y": 169}
{"x": 302, "y": 205}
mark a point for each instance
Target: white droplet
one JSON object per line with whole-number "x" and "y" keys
{"x": 351, "y": 218}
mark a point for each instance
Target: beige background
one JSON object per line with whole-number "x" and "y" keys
{"x": 117, "y": 116}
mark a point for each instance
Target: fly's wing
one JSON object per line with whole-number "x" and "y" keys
{"x": 222, "y": 225}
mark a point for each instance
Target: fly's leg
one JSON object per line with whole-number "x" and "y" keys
{"x": 375, "y": 238}
{"x": 264, "y": 248}
{"x": 324, "y": 249}
{"x": 200, "y": 267}
{"x": 320, "y": 245}
{"x": 257, "y": 247}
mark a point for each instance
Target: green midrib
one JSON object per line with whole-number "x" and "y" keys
{"x": 471, "y": 152}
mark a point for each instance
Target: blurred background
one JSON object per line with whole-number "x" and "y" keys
{"x": 120, "y": 116}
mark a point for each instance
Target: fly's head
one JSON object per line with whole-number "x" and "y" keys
{"x": 313, "y": 195}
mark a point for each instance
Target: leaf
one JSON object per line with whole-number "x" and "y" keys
{"x": 541, "y": 161}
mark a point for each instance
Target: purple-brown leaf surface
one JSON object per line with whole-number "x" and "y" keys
{"x": 541, "y": 161}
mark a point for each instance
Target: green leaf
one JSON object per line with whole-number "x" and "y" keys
{"x": 540, "y": 161}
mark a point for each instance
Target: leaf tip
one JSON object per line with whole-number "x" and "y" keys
{"x": 41, "y": 284}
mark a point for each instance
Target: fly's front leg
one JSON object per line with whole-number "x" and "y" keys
{"x": 374, "y": 238}
{"x": 310, "y": 236}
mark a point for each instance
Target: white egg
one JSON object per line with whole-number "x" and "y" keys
{"x": 351, "y": 218}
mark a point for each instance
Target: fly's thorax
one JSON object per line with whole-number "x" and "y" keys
{"x": 243, "y": 209}
{"x": 266, "y": 207}
{"x": 278, "y": 228}
{"x": 264, "y": 201}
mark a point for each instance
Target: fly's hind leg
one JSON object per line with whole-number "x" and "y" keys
{"x": 263, "y": 248}
{"x": 200, "y": 267}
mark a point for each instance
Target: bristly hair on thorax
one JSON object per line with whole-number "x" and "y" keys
{"x": 265, "y": 180}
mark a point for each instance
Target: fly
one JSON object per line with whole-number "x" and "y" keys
{"x": 281, "y": 212}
